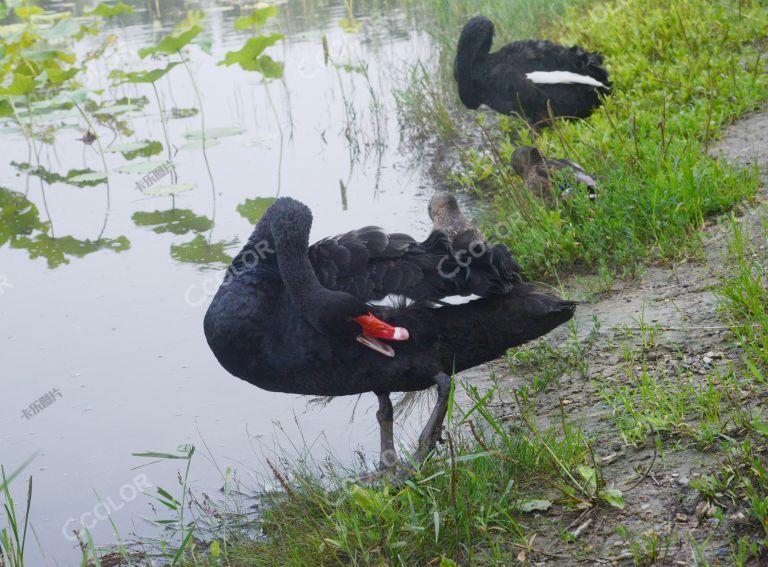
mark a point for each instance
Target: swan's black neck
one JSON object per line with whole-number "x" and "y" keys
{"x": 474, "y": 45}
{"x": 290, "y": 222}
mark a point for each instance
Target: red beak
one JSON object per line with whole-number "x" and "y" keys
{"x": 378, "y": 329}
{"x": 374, "y": 329}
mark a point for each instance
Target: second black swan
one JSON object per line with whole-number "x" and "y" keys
{"x": 275, "y": 325}
{"x": 527, "y": 77}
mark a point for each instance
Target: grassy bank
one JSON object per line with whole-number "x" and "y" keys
{"x": 679, "y": 73}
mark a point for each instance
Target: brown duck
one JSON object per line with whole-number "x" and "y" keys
{"x": 551, "y": 178}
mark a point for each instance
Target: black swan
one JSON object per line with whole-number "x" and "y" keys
{"x": 274, "y": 324}
{"x": 539, "y": 173}
{"x": 525, "y": 77}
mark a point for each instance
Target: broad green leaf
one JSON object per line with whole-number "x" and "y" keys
{"x": 205, "y": 43}
{"x": 64, "y": 29}
{"x": 350, "y": 25}
{"x": 172, "y": 43}
{"x": 86, "y": 177}
{"x": 26, "y": 12}
{"x": 152, "y": 148}
{"x": 116, "y": 109}
{"x": 128, "y": 147}
{"x": 166, "y": 190}
{"x": 142, "y": 76}
{"x": 214, "y": 133}
{"x": 174, "y": 221}
{"x": 143, "y": 167}
{"x": 613, "y": 496}
{"x": 534, "y": 505}
{"x": 5, "y": 108}
{"x": 248, "y": 57}
{"x": 590, "y": 476}
{"x": 200, "y": 251}
{"x": 21, "y": 85}
{"x": 256, "y": 18}
{"x": 215, "y": 549}
{"x": 57, "y": 250}
{"x": 3, "y": 10}
{"x": 109, "y": 11}
{"x": 253, "y": 209}
{"x": 18, "y": 216}
{"x": 270, "y": 68}
{"x": 78, "y": 96}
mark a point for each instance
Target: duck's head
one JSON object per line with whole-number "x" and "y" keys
{"x": 525, "y": 157}
{"x": 343, "y": 316}
{"x": 444, "y": 206}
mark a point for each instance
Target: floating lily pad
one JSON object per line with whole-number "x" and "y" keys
{"x": 170, "y": 189}
{"x": 18, "y": 216}
{"x": 143, "y": 167}
{"x": 128, "y": 147}
{"x": 214, "y": 133}
{"x": 88, "y": 177}
{"x": 200, "y": 251}
{"x": 174, "y": 221}
{"x": 253, "y": 209}
{"x": 56, "y": 250}
{"x": 116, "y": 109}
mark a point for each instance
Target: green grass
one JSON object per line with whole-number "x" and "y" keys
{"x": 679, "y": 73}
{"x": 465, "y": 506}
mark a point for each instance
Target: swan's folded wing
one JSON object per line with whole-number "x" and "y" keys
{"x": 371, "y": 264}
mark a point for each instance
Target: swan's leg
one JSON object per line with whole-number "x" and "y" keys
{"x": 431, "y": 433}
{"x": 385, "y": 416}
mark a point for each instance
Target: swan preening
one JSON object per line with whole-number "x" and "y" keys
{"x": 530, "y": 78}
{"x": 293, "y": 321}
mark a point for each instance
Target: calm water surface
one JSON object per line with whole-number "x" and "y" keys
{"x": 104, "y": 305}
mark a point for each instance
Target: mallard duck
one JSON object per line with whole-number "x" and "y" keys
{"x": 539, "y": 173}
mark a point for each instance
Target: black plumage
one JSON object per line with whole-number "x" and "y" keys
{"x": 276, "y": 326}
{"x": 499, "y": 80}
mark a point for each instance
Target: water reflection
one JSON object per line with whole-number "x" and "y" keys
{"x": 117, "y": 324}
{"x": 22, "y": 229}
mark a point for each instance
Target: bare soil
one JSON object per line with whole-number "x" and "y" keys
{"x": 679, "y": 302}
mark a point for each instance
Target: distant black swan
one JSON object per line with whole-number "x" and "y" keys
{"x": 523, "y": 76}
{"x": 282, "y": 324}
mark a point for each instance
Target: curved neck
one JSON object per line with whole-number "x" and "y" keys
{"x": 474, "y": 45}
{"x": 290, "y": 223}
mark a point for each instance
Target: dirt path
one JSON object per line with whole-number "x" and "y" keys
{"x": 665, "y": 323}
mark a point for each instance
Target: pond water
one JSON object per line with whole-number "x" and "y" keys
{"x": 103, "y": 288}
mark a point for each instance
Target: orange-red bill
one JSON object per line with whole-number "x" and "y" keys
{"x": 374, "y": 327}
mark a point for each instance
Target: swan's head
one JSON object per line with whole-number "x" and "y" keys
{"x": 525, "y": 157}
{"x": 343, "y": 316}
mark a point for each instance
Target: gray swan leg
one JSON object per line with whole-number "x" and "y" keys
{"x": 385, "y": 416}
{"x": 431, "y": 433}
